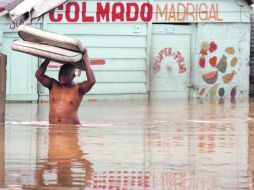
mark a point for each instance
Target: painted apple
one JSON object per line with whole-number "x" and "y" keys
{"x": 202, "y": 62}
{"x": 213, "y": 47}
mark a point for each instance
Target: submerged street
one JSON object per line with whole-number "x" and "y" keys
{"x": 131, "y": 145}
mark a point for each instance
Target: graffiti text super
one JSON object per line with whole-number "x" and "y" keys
{"x": 133, "y": 12}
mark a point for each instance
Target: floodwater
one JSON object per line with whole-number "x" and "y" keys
{"x": 197, "y": 145}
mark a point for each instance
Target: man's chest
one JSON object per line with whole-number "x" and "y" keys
{"x": 64, "y": 94}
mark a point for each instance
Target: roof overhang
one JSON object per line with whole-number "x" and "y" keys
{"x": 249, "y": 1}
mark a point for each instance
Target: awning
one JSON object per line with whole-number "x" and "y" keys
{"x": 27, "y": 9}
{"x": 6, "y": 6}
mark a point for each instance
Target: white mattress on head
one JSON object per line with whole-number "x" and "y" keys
{"x": 28, "y": 33}
{"x": 50, "y": 52}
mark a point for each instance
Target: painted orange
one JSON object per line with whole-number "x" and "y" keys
{"x": 213, "y": 61}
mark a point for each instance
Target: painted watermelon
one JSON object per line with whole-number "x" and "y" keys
{"x": 210, "y": 78}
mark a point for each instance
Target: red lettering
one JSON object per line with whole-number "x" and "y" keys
{"x": 68, "y": 12}
{"x": 59, "y": 16}
{"x": 136, "y": 10}
{"x": 181, "y": 13}
{"x": 190, "y": 12}
{"x": 84, "y": 17}
{"x": 149, "y": 15}
{"x": 217, "y": 11}
{"x": 161, "y": 55}
{"x": 157, "y": 60}
{"x": 118, "y": 15}
{"x": 180, "y": 60}
{"x": 168, "y": 51}
{"x": 156, "y": 67}
{"x": 212, "y": 14}
{"x": 203, "y": 12}
{"x": 197, "y": 11}
{"x": 172, "y": 14}
{"x": 177, "y": 55}
{"x": 165, "y": 12}
{"x": 182, "y": 68}
{"x": 102, "y": 12}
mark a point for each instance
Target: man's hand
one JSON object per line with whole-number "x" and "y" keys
{"x": 85, "y": 86}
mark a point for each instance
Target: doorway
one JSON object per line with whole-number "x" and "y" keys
{"x": 170, "y": 61}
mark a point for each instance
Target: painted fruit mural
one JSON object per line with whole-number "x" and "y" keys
{"x": 222, "y": 66}
{"x": 225, "y": 64}
{"x": 221, "y": 92}
{"x": 211, "y": 77}
{"x": 213, "y": 61}
{"x": 234, "y": 61}
{"x": 213, "y": 47}
{"x": 233, "y": 92}
{"x": 228, "y": 77}
{"x": 213, "y": 90}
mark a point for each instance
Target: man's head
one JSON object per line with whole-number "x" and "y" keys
{"x": 66, "y": 73}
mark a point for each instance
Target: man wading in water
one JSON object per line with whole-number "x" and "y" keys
{"x": 64, "y": 95}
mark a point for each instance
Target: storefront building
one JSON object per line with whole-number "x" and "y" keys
{"x": 145, "y": 50}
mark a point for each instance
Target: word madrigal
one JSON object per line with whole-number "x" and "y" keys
{"x": 187, "y": 12}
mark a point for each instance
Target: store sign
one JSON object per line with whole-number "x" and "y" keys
{"x": 133, "y": 12}
{"x": 188, "y": 12}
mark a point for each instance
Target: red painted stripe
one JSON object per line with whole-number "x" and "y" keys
{"x": 53, "y": 66}
{"x": 98, "y": 62}
{"x": 92, "y": 62}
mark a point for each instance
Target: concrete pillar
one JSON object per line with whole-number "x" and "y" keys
{"x": 3, "y": 63}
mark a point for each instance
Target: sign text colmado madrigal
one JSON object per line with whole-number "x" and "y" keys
{"x": 134, "y": 11}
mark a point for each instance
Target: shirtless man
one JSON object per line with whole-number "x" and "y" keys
{"x": 64, "y": 95}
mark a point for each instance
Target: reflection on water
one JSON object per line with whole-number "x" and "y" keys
{"x": 2, "y": 152}
{"x": 129, "y": 145}
{"x": 2, "y": 139}
{"x": 64, "y": 155}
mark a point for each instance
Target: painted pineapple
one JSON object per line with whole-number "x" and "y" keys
{"x": 222, "y": 66}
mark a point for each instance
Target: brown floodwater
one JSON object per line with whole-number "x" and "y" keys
{"x": 192, "y": 145}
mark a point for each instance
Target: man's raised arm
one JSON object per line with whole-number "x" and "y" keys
{"x": 40, "y": 75}
{"x": 85, "y": 86}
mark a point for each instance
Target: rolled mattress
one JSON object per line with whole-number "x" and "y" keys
{"x": 28, "y": 33}
{"x": 49, "y": 52}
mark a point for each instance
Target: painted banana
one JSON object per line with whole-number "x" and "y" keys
{"x": 213, "y": 90}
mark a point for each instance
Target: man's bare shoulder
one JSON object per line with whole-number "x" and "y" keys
{"x": 58, "y": 85}
{"x": 54, "y": 83}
